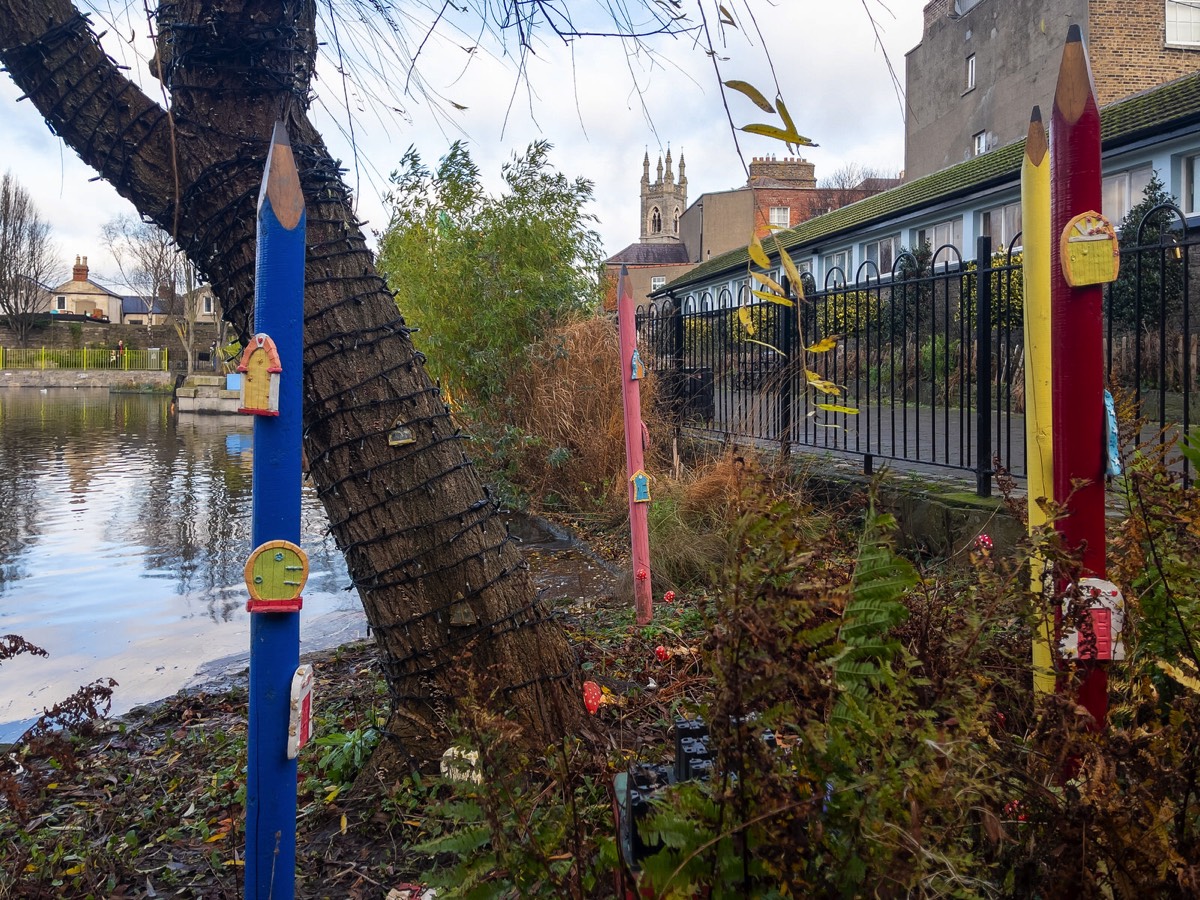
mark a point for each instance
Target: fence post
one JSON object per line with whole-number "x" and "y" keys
{"x": 679, "y": 398}
{"x": 787, "y": 345}
{"x": 983, "y": 366}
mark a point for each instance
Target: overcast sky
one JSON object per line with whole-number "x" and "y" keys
{"x": 600, "y": 106}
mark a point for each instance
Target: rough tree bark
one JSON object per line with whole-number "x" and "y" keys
{"x": 445, "y": 590}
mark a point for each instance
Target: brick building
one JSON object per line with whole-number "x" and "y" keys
{"x": 983, "y": 64}
{"x": 675, "y": 237}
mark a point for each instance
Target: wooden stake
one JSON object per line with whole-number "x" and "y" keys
{"x": 275, "y": 636}
{"x": 1039, "y": 444}
{"x": 1077, "y": 339}
{"x": 639, "y": 524}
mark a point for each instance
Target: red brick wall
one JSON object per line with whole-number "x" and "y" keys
{"x": 1125, "y": 46}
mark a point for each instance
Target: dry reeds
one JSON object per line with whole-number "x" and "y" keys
{"x": 568, "y": 404}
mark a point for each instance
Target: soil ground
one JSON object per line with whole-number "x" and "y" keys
{"x": 151, "y": 805}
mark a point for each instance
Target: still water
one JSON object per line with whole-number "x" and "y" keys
{"x": 123, "y": 535}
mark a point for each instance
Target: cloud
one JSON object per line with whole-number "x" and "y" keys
{"x": 601, "y": 102}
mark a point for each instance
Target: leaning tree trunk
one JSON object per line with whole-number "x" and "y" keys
{"x": 445, "y": 590}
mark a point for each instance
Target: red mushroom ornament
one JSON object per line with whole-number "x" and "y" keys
{"x": 592, "y": 696}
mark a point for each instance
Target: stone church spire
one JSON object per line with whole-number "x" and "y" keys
{"x": 663, "y": 201}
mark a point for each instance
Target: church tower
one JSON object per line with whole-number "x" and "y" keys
{"x": 663, "y": 201}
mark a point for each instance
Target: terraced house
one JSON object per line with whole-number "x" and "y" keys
{"x": 920, "y": 374}
{"x": 1156, "y": 131}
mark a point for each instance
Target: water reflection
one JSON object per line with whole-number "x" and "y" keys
{"x": 123, "y": 534}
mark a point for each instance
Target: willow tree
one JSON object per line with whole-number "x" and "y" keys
{"x": 444, "y": 589}
{"x": 442, "y": 585}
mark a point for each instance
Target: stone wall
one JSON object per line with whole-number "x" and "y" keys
{"x": 63, "y": 336}
{"x": 87, "y": 378}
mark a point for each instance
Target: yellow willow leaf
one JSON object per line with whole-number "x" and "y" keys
{"x": 343, "y": 823}
{"x": 1178, "y": 675}
{"x": 746, "y": 319}
{"x": 769, "y": 282}
{"x": 770, "y": 131}
{"x": 800, "y": 140}
{"x": 726, "y": 19}
{"x": 332, "y": 795}
{"x": 752, "y": 93}
{"x": 772, "y": 298}
{"x": 75, "y": 870}
{"x": 757, "y": 254}
{"x": 833, "y": 407}
{"x": 822, "y": 385}
{"x": 824, "y": 345}
{"x": 765, "y": 344}
{"x": 793, "y": 273}
{"x": 219, "y": 836}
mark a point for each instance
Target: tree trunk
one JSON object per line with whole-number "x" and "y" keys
{"x": 443, "y": 586}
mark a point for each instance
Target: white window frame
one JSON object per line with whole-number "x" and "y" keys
{"x": 838, "y": 259}
{"x": 1122, "y": 191}
{"x": 780, "y": 215}
{"x": 1182, "y": 16}
{"x": 883, "y": 253}
{"x": 940, "y": 234}
{"x": 979, "y": 143}
{"x": 657, "y": 282}
{"x": 970, "y": 74}
{"x": 1002, "y": 224}
{"x": 60, "y": 303}
{"x": 208, "y": 304}
{"x": 1189, "y": 194}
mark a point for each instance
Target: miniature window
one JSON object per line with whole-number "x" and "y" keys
{"x": 970, "y": 72}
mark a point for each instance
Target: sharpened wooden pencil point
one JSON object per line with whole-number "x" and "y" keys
{"x": 281, "y": 187}
{"x": 1035, "y": 139}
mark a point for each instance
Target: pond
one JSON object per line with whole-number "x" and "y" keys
{"x": 124, "y": 531}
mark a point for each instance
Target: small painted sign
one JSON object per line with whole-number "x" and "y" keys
{"x": 400, "y": 435}
{"x": 1105, "y": 606}
{"x": 300, "y": 716}
{"x": 641, "y": 487}
{"x": 275, "y": 575}
{"x": 1089, "y": 250}
{"x": 260, "y": 387}
{"x": 637, "y": 371}
{"x": 1113, "y": 468}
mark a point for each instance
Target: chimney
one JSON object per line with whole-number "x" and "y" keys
{"x": 80, "y": 271}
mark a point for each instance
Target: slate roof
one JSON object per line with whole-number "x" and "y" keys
{"x": 1150, "y": 112}
{"x": 640, "y": 254}
{"x": 136, "y": 306}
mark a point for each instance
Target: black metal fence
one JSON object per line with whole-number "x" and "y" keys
{"x": 928, "y": 366}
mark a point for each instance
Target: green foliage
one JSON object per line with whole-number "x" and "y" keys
{"x": 484, "y": 277}
{"x": 881, "y": 579}
{"x": 1161, "y": 274}
{"x": 525, "y": 828}
{"x": 344, "y": 753}
{"x": 1007, "y": 291}
{"x": 851, "y": 313}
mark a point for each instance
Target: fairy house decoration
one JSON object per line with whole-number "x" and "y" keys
{"x": 637, "y": 369}
{"x": 400, "y": 434}
{"x": 1089, "y": 250}
{"x": 260, "y": 385}
{"x": 300, "y": 713}
{"x": 641, "y": 486}
{"x": 275, "y": 575}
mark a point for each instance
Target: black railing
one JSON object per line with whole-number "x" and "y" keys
{"x": 929, "y": 355}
